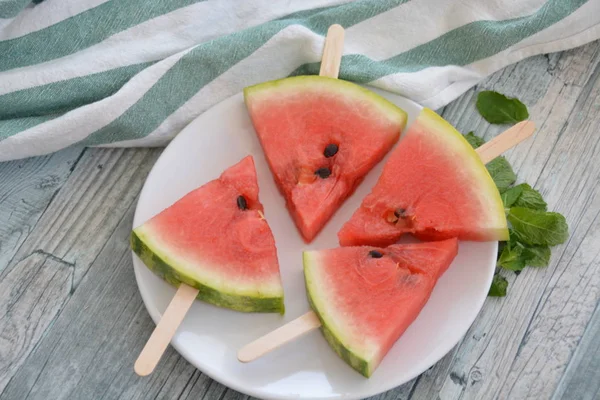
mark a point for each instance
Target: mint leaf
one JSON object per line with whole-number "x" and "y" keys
{"x": 535, "y": 227}
{"x": 474, "y": 140}
{"x": 510, "y": 196}
{"x": 501, "y": 172}
{"x": 530, "y": 198}
{"x": 496, "y": 108}
{"x": 498, "y": 287}
{"x": 533, "y": 256}
{"x": 536, "y": 256}
{"x": 512, "y": 258}
{"x": 523, "y": 195}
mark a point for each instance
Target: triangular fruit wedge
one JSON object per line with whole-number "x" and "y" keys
{"x": 434, "y": 186}
{"x": 217, "y": 240}
{"x": 320, "y": 137}
{"x": 366, "y": 297}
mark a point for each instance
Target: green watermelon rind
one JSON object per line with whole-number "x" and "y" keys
{"x": 345, "y": 88}
{"x": 354, "y": 360}
{"x": 175, "y": 277}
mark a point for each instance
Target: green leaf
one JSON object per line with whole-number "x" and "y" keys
{"x": 499, "y": 285}
{"x": 530, "y": 198}
{"x": 536, "y": 256}
{"x": 496, "y": 108}
{"x": 499, "y": 168}
{"x": 501, "y": 172}
{"x": 533, "y": 256}
{"x": 535, "y": 227}
{"x": 510, "y": 196}
{"x": 474, "y": 140}
{"x": 512, "y": 258}
{"x": 523, "y": 195}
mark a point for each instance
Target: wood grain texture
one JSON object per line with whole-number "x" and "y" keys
{"x": 72, "y": 321}
{"x": 72, "y": 231}
{"x": 582, "y": 377}
{"x": 26, "y": 189}
{"x": 31, "y": 296}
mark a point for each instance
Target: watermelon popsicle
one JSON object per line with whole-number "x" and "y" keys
{"x": 319, "y": 271}
{"x": 215, "y": 245}
{"x": 434, "y": 186}
{"x": 346, "y": 284}
{"x": 321, "y": 136}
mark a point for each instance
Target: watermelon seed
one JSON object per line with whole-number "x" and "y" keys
{"x": 400, "y": 213}
{"x": 375, "y": 254}
{"x": 323, "y": 172}
{"x": 330, "y": 150}
{"x": 241, "y": 203}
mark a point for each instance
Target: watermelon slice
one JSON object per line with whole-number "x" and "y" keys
{"x": 320, "y": 137}
{"x": 366, "y": 297}
{"x": 434, "y": 186}
{"x": 216, "y": 239}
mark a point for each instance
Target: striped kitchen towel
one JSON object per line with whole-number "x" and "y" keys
{"x": 135, "y": 72}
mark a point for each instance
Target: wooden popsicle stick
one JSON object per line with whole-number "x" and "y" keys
{"x": 507, "y": 139}
{"x": 309, "y": 321}
{"x": 165, "y": 329}
{"x": 279, "y": 337}
{"x": 332, "y": 52}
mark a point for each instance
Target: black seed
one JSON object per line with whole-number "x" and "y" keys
{"x": 400, "y": 213}
{"x": 375, "y": 254}
{"x": 241, "y": 203}
{"x": 323, "y": 172}
{"x": 330, "y": 150}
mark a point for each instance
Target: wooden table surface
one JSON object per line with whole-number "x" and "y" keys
{"x": 72, "y": 321}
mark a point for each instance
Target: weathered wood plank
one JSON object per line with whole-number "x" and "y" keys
{"x": 88, "y": 207}
{"x": 26, "y": 188}
{"x": 582, "y": 377}
{"x": 26, "y": 313}
{"x": 75, "y": 227}
{"x": 493, "y": 360}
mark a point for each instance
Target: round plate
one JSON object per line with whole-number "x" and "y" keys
{"x": 209, "y": 337}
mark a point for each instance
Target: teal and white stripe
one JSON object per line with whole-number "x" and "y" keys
{"x": 135, "y": 72}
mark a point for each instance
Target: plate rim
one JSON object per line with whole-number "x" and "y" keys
{"x": 155, "y": 314}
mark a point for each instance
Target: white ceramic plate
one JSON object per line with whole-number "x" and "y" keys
{"x": 209, "y": 337}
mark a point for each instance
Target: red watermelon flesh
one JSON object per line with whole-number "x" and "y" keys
{"x": 216, "y": 239}
{"x": 433, "y": 186}
{"x": 367, "y": 297}
{"x": 320, "y": 136}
